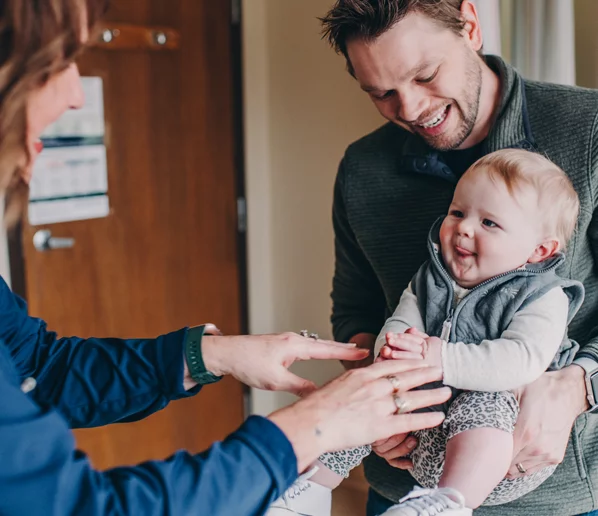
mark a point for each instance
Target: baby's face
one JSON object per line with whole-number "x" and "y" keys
{"x": 488, "y": 231}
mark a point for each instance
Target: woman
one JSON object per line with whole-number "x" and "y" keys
{"x": 49, "y": 385}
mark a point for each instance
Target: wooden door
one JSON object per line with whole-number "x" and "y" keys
{"x": 168, "y": 255}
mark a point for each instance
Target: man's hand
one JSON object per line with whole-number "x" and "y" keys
{"x": 262, "y": 361}
{"x": 395, "y": 449}
{"x": 548, "y": 408}
{"x": 365, "y": 341}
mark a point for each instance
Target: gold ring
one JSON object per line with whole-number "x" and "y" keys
{"x": 395, "y": 382}
{"x": 520, "y": 468}
{"x": 401, "y": 404}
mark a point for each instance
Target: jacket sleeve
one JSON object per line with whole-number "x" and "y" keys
{"x": 41, "y": 473}
{"x": 357, "y": 298}
{"x": 589, "y": 340}
{"x": 92, "y": 382}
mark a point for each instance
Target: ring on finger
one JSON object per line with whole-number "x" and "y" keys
{"x": 395, "y": 382}
{"x": 401, "y": 404}
{"x": 308, "y": 335}
{"x": 520, "y": 468}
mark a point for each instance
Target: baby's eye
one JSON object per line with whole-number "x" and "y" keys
{"x": 456, "y": 213}
{"x": 489, "y": 223}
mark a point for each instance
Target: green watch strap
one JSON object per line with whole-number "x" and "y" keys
{"x": 195, "y": 363}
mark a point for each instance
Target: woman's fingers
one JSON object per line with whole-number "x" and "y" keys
{"x": 415, "y": 400}
{"x": 413, "y": 422}
{"x": 417, "y": 377}
{"x": 393, "y": 367}
{"x": 329, "y": 350}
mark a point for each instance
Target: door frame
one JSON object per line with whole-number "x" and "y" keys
{"x": 14, "y": 234}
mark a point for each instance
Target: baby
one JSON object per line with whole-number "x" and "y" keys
{"x": 490, "y": 310}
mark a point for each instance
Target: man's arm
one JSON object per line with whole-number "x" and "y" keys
{"x": 358, "y": 304}
{"x": 551, "y": 404}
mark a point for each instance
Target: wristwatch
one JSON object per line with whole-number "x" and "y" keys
{"x": 590, "y": 366}
{"x": 195, "y": 363}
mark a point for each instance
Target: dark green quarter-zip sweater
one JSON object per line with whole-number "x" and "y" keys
{"x": 390, "y": 189}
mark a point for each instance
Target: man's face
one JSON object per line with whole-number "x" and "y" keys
{"x": 423, "y": 77}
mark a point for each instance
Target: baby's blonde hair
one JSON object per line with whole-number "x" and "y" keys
{"x": 557, "y": 199}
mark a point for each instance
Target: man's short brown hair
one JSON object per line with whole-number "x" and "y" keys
{"x": 368, "y": 19}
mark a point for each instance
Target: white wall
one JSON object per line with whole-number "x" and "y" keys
{"x": 301, "y": 111}
{"x": 586, "y": 43}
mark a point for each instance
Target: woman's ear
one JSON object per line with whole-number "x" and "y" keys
{"x": 544, "y": 250}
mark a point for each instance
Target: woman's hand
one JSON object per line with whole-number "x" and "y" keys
{"x": 262, "y": 361}
{"x": 358, "y": 408}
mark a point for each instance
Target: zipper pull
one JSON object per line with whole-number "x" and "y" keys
{"x": 446, "y": 327}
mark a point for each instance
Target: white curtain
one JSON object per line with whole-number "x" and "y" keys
{"x": 542, "y": 39}
{"x": 536, "y": 36}
{"x": 489, "y": 15}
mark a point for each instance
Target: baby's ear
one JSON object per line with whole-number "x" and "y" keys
{"x": 544, "y": 251}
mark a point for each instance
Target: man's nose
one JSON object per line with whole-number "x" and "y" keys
{"x": 412, "y": 102}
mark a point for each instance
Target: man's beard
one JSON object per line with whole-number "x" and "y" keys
{"x": 467, "y": 111}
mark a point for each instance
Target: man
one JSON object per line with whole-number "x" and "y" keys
{"x": 421, "y": 64}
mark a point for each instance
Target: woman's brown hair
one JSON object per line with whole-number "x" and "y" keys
{"x": 38, "y": 39}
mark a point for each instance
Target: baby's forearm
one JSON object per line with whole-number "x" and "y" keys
{"x": 491, "y": 366}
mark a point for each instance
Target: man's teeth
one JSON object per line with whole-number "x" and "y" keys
{"x": 437, "y": 120}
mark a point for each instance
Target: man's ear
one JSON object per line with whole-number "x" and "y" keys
{"x": 472, "y": 31}
{"x": 544, "y": 250}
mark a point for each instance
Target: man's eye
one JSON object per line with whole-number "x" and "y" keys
{"x": 456, "y": 213}
{"x": 428, "y": 79}
{"x": 489, "y": 223}
{"x": 384, "y": 96}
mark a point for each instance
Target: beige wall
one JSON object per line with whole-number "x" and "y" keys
{"x": 301, "y": 111}
{"x": 586, "y": 42}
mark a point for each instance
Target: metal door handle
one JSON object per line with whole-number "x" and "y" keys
{"x": 44, "y": 241}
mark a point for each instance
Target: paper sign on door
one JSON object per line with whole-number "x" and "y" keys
{"x": 70, "y": 180}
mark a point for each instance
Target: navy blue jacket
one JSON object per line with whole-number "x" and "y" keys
{"x": 82, "y": 383}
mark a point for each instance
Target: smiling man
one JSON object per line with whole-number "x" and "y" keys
{"x": 421, "y": 63}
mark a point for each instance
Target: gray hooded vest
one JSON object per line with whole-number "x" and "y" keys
{"x": 487, "y": 311}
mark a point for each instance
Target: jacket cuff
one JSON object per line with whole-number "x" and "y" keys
{"x": 590, "y": 350}
{"x": 171, "y": 356}
{"x": 274, "y": 449}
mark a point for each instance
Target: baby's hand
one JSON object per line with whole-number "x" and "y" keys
{"x": 403, "y": 346}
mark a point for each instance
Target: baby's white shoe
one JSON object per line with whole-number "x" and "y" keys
{"x": 303, "y": 498}
{"x": 431, "y": 502}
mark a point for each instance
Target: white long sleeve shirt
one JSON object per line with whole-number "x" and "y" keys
{"x": 521, "y": 354}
